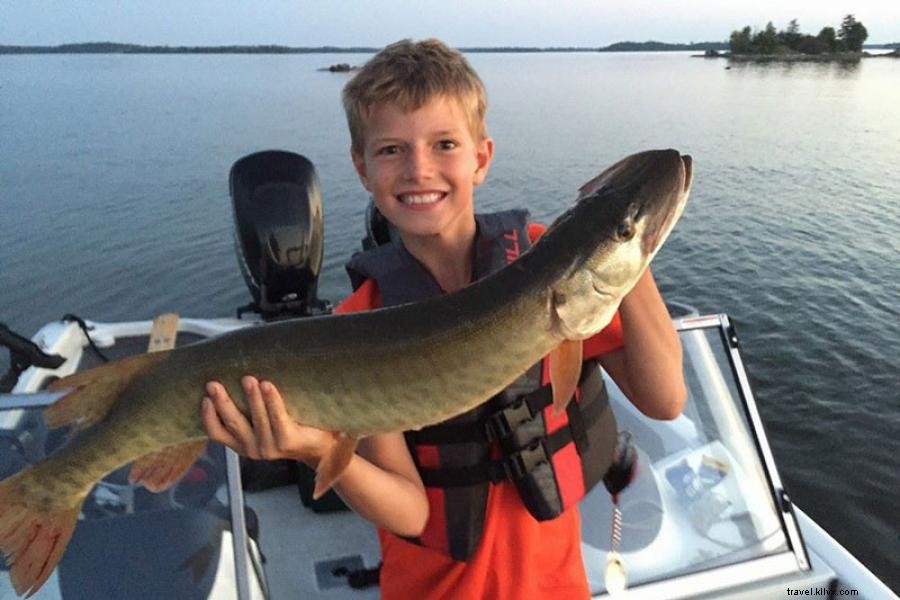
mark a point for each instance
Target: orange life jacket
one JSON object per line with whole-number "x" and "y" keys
{"x": 553, "y": 461}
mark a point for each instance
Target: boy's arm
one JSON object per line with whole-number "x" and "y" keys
{"x": 648, "y": 368}
{"x": 380, "y": 483}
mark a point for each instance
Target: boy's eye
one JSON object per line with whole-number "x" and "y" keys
{"x": 446, "y": 144}
{"x": 391, "y": 149}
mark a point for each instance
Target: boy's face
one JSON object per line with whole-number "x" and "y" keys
{"x": 421, "y": 167}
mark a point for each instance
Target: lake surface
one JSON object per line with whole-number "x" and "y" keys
{"x": 114, "y": 206}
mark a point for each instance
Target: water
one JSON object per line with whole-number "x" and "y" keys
{"x": 114, "y": 206}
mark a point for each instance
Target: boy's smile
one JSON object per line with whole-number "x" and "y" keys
{"x": 421, "y": 168}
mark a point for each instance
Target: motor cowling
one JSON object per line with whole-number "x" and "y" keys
{"x": 279, "y": 232}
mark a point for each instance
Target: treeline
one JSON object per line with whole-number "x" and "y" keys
{"x": 848, "y": 38}
{"x": 652, "y": 46}
{"x": 117, "y": 48}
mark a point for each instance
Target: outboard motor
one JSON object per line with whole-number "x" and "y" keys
{"x": 279, "y": 238}
{"x": 279, "y": 232}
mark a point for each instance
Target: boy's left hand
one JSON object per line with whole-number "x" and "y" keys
{"x": 270, "y": 433}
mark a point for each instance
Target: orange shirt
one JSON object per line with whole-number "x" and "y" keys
{"x": 518, "y": 558}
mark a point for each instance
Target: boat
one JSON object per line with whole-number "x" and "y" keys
{"x": 705, "y": 516}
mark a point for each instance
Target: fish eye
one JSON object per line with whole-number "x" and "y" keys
{"x": 625, "y": 230}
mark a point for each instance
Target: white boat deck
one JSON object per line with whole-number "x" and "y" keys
{"x": 295, "y": 541}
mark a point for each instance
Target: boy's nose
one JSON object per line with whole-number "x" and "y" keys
{"x": 418, "y": 164}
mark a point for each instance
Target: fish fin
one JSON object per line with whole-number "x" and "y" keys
{"x": 96, "y": 390}
{"x": 31, "y": 538}
{"x": 333, "y": 464}
{"x": 565, "y": 370}
{"x": 158, "y": 471}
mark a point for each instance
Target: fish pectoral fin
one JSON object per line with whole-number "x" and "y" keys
{"x": 160, "y": 470}
{"x": 333, "y": 464}
{"x": 565, "y": 370}
{"x": 32, "y": 538}
{"x": 95, "y": 391}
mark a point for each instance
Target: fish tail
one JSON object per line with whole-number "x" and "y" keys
{"x": 95, "y": 391}
{"x": 38, "y": 508}
{"x": 35, "y": 527}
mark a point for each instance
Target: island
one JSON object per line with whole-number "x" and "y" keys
{"x": 790, "y": 45}
{"x": 340, "y": 68}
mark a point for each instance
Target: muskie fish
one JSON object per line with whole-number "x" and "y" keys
{"x": 392, "y": 369}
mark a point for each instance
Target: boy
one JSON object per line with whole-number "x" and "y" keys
{"x": 416, "y": 117}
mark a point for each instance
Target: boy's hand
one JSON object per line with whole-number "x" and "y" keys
{"x": 270, "y": 433}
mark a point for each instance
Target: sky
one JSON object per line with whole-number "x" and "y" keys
{"x": 375, "y": 23}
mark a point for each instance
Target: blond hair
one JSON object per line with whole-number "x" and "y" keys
{"x": 410, "y": 74}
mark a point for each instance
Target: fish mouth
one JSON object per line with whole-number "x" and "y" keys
{"x": 600, "y": 291}
{"x": 688, "y": 163}
{"x": 671, "y": 190}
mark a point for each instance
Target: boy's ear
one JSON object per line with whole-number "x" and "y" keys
{"x": 359, "y": 163}
{"x": 484, "y": 152}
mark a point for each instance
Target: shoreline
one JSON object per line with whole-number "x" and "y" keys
{"x": 710, "y": 49}
{"x": 794, "y": 58}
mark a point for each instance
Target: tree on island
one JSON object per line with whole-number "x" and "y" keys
{"x": 769, "y": 41}
{"x": 853, "y": 34}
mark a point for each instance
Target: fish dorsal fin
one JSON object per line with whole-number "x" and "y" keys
{"x": 96, "y": 390}
{"x": 333, "y": 464}
{"x": 565, "y": 369}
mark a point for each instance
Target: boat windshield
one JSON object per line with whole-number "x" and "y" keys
{"x": 131, "y": 543}
{"x": 705, "y": 494}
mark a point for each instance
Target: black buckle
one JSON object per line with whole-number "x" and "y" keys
{"x": 524, "y": 461}
{"x": 504, "y": 422}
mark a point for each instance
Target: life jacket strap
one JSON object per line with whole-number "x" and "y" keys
{"x": 518, "y": 464}
{"x": 506, "y": 421}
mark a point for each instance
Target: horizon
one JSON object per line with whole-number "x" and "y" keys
{"x": 467, "y": 23}
{"x": 351, "y": 47}
{"x": 131, "y": 48}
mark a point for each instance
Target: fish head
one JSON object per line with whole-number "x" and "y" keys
{"x": 625, "y": 215}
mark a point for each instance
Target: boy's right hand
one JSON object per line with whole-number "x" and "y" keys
{"x": 270, "y": 433}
